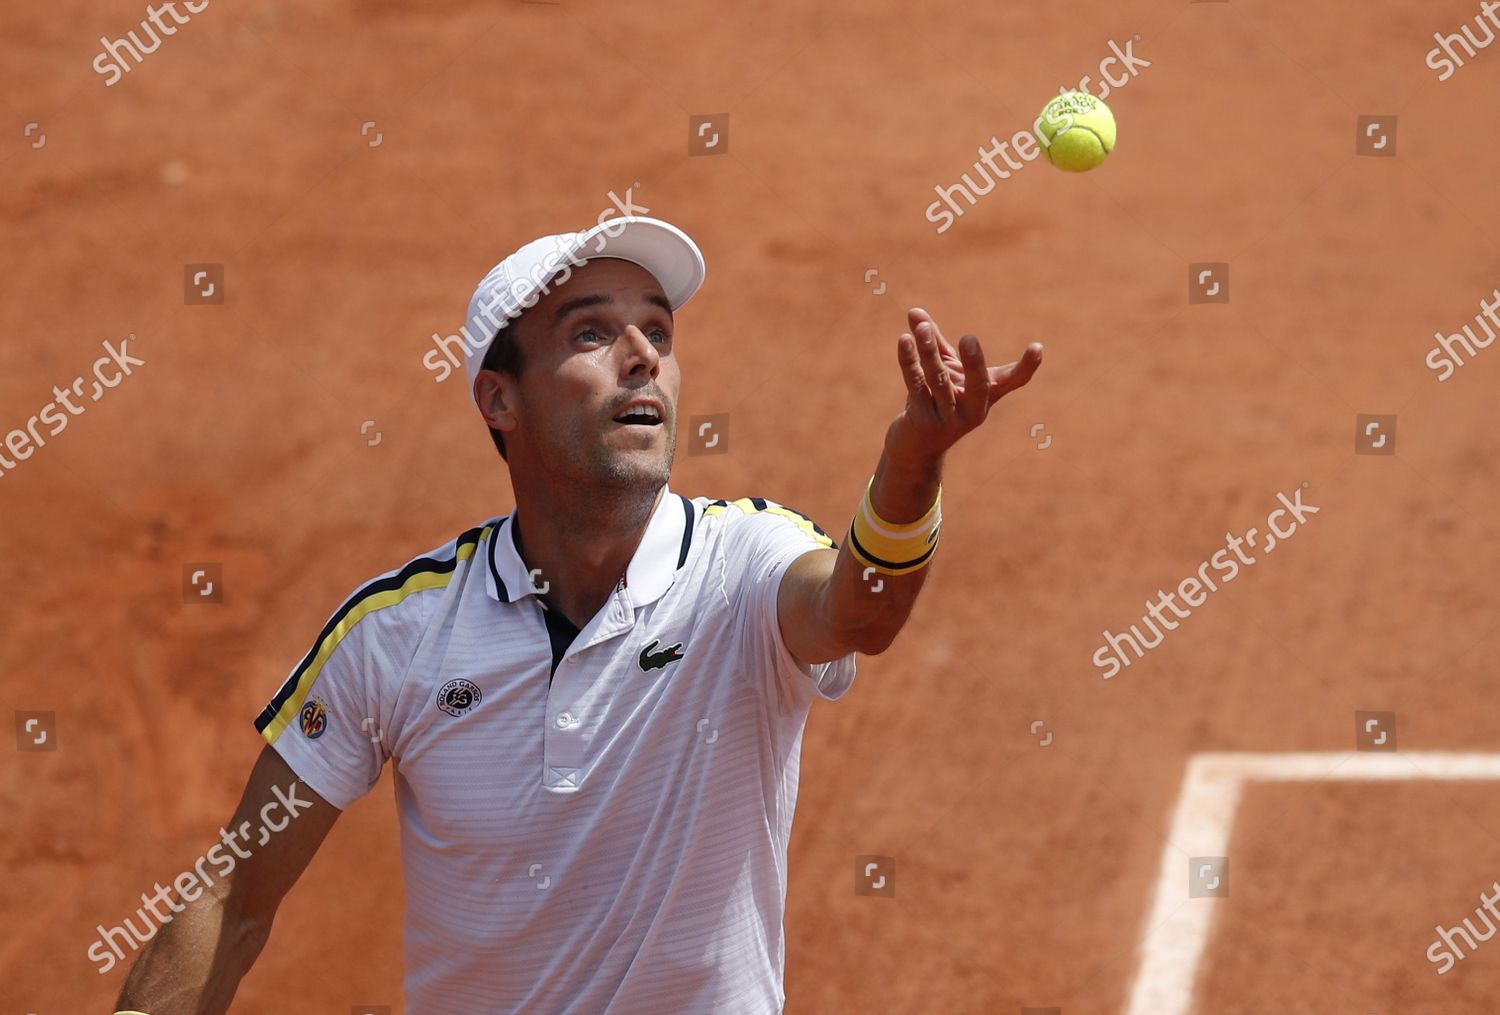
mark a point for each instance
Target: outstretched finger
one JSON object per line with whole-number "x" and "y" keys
{"x": 974, "y": 400}
{"x": 911, "y": 367}
{"x": 916, "y": 316}
{"x": 1003, "y": 380}
{"x": 935, "y": 369}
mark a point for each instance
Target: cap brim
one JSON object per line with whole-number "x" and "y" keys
{"x": 667, "y": 252}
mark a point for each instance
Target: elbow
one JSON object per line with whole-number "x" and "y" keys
{"x": 867, "y": 625}
{"x": 245, "y": 922}
{"x": 874, "y": 641}
{"x": 870, "y": 635}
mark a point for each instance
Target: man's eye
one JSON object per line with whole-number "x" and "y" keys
{"x": 657, "y": 335}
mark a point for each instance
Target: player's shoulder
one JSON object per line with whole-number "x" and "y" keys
{"x": 396, "y": 596}
{"x": 750, "y": 516}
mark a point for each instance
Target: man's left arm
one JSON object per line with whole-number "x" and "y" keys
{"x": 858, "y": 599}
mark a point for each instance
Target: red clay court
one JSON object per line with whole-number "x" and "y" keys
{"x": 342, "y": 174}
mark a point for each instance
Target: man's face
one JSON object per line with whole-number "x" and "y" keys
{"x": 598, "y": 342}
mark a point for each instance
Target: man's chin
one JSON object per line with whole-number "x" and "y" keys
{"x": 638, "y": 467}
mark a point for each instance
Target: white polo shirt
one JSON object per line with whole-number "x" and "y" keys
{"x": 608, "y": 838}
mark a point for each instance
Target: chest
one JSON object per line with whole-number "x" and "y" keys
{"x": 639, "y": 699}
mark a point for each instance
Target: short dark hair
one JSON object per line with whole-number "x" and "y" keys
{"x": 504, "y": 354}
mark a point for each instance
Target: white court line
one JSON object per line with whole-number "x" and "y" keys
{"x": 1176, "y": 929}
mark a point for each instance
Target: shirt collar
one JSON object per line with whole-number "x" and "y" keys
{"x": 661, "y": 554}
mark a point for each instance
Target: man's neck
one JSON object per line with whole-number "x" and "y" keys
{"x": 578, "y": 544}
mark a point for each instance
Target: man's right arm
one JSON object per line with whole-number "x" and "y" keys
{"x": 195, "y": 963}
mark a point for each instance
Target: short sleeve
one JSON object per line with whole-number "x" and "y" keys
{"x": 761, "y": 546}
{"x": 331, "y": 719}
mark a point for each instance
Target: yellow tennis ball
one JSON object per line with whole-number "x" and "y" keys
{"x": 1077, "y": 131}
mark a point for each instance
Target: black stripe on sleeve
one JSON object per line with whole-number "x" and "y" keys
{"x": 419, "y": 566}
{"x": 816, "y": 527}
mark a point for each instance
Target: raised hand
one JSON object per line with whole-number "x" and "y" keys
{"x": 948, "y": 392}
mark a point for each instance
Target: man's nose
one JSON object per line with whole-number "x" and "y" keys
{"x": 640, "y": 351}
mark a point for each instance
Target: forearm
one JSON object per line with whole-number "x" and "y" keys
{"x": 869, "y": 605}
{"x": 903, "y": 491}
{"x": 860, "y": 602}
{"x": 195, "y": 963}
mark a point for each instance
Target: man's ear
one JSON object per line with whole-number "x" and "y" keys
{"x": 498, "y": 399}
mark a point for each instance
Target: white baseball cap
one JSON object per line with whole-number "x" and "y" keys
{"x": 524, "y": 277}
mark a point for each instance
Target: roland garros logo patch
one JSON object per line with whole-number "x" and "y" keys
{"x": 458, "y": 697}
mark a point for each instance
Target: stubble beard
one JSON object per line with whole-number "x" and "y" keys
{"x": 607, "y": 468}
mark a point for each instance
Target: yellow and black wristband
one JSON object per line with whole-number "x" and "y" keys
{"x": 894, "y": 547}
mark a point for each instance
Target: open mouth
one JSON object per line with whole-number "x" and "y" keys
{"x": 640, "y": 415}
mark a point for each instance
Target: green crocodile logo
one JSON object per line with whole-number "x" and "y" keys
{"x": 653, "y": 660}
